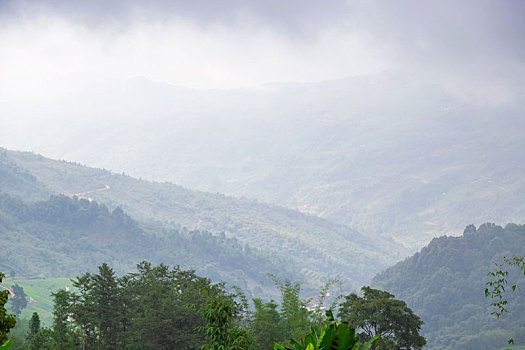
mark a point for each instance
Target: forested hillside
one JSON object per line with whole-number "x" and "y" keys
{"x": 444, "y": 284}
{"x": 64, "y": 237}
{"x": 319, "y": 247}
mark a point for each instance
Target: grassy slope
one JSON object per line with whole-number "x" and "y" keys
{"x": 39, "y": 290}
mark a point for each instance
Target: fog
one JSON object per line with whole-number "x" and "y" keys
{"x": 52, "y": 48}
{"x": 303, "y": 104}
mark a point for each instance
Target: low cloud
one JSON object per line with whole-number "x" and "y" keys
{"x": 54, "y": 46}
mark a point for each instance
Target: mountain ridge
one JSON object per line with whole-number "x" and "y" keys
{"x": 322, "y": 248}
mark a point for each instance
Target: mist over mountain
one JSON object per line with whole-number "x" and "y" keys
{"x": 311, "y": 140}
{"x": 391, "y": 154}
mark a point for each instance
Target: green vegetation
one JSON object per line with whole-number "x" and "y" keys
{"x": 499, "y": 280}
{"x": 323, "y": 249}
{"x": 223, "y": 318}
{"x": 378, "y": 314}
{"x": 234, "y": 240}
{"x": 332, "y": 335}
{"x": 39, "y": 296}
{"x": 7, "y": 321}
{"x": 63, "y": 236}
{"x": 159, "y": 307}
{"x": 444, "y": 284}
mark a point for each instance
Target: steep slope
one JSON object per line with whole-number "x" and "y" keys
{"x": 15, "y": 180}
{"x": 65, "y": 237}
{"x": 444, "y": 284}
{"x": 322, "y": 249}
{"x": 401, "y": 155}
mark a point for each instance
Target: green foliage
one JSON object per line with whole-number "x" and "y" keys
{"x": 63, "y": 333}
{"x": 333, "y": 335}
{"x": 40, "y": 338}
{"x": 221, "y": 316}
{"x": 66, "y": 236}
{"x": 444, "y": 284}
{"x": 34, "y": 326}
{"x": 294, "y": 316}
{"x": 6, "y": 345}
{"x": 19, "y": 302}
{"x": 499, "y": 280}
{"x": 44, "y": 340}
{"x": 266, "y": 324}
{"x": 377, "y": 313}
{"x": 157, "y": 300}
{"x": 149, "y": 308}
{"x": 264, "y": 227}
{"x": 7, "y": 321}
{"x": 39, "y": 291}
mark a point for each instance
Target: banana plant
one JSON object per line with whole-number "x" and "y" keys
{"x": 6, "y": 345}
{"x": 333, "y": 336}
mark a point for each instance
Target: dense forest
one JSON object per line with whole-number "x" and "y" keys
{"x": 64, "y": 236}
{"x": 444, "y": 284}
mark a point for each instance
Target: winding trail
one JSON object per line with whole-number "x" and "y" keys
{"x": 105, "y": 188}
{"x": 9, "y": 290}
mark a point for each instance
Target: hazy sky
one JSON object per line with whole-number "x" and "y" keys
{"x": 49, "y": 47}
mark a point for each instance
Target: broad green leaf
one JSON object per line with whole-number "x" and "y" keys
{"x": 6, "y": 345}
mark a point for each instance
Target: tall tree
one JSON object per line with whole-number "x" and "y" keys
{"x": 7, "y": 321}
{"x": 222, "y": 329}
{"x": 378, "y": 313}
{"x": 107, "y": 307}
{"x": 158, "y": 302}
{"x": 34, "y": 326}
{"x": 63, "y": 334}
{"x": 266, "y": 321}
{"x": 295, "y": 317}
{"x": 80, "y": 310}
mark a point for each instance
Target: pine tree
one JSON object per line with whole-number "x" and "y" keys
{"x": 107, "y": 307}
{"x": 34, "y": 326}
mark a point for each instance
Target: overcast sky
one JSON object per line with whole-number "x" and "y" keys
{"x": 49, "y": 47}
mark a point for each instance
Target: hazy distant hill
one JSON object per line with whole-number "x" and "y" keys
{"x": 444, "y": 284}
{"x": 399, "y": 155}
{"x": 318, "y": 247}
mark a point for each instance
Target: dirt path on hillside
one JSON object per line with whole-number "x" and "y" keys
{"x": 105, "y": 188}
{"x": 9, "y": 290}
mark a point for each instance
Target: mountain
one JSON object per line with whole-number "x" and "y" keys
{"x": 319, "y": 248}
{"x": 397, "y": 155}
{"x": 444, "y": 284}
